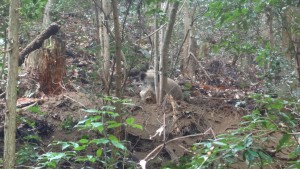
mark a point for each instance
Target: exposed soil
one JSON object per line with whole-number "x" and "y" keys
{"x": 186, "y": 119}
{"x": 209, "y": 109}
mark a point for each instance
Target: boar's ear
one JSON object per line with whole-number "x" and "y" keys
{"x": 142, "y": 76}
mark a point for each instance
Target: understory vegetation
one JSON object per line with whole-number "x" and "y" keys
{"x": 237, "y": 63}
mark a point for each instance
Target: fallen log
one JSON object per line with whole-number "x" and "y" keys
{"x": 38, "y": 41}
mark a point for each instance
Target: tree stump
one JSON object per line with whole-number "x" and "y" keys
{"x": 48, "y": 66}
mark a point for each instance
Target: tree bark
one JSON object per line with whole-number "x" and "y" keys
{"x": 51, "y": 66}
{"x": 47, "y": 20}
{"x": 291, "y": 39}
{"x": 287, "y": 40}
{"x": 188, "y": 66}
{"x": 47, "y": 13}
{"x": 156, "y": 57}
{"x": 165, "y": 50}
{"x": 118, "y": 131}
{"x": 48, "y": 64}
{"x": 11, "y": 88}
{"x": 271, "y": 30}
{"x": 104, "y": 52}
{"x": 4, "y": 55}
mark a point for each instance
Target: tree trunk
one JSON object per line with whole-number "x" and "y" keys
{"x": 156, "y": 57}
{"x": 11, "y": 88}
{"x": 291, "y": 39}
{"x": 188, "y": 65}
{"x": 3, "y": 57}
{"x": 47, "y": 20}
{"x": 165, "y": 50}
{"x": 270, "y": 24}
{"x": 118, "y": 132}
{"x": 47, "y": 13}
{"x": 103, "y": 15}
{"x": 46, "y": 64}
{"x": 49, "y": 65}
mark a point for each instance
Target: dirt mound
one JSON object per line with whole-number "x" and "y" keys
{"x": 185, "y": 125}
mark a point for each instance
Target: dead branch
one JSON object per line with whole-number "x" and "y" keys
{"x": 158, "y": 149}
{"x": 38, "y": 41}
{"x": 2, "y": 94}
{"x": 75, "y": 101}
{"x": 200, "y": 65}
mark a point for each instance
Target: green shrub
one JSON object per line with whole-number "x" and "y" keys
{"x": 107, "y": 148}
{"x": 248, "y": 143}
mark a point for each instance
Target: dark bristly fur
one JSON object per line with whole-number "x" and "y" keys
{"x": 142, "y": 76}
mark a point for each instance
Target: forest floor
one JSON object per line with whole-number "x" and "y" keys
{"x": 208, "y": 110}
{"x": 213, "y": 105}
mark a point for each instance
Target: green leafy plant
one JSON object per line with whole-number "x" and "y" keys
{"x": 250, "y": 141}
{"x": 68, "y": 123}
{"x": 52, "y": 159}
{"x": 97, "y": 123}
{"x": 27, "y": 153}
{"x": 36, "y": 110}
{"x": 32, "y": 9}
{"x": 33, "y": 138}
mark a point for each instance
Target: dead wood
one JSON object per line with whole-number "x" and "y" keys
{"x": 38, "y": 41}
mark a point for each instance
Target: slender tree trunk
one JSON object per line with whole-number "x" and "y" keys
{"x": 188, "y": 66}
{"x": 3, "y": 57}
{"x": 105, "y": 46}
{"x": 291, "y": 39}
{"x": 47, "y": 13}
{"x": 118, "y": 132}
{"x": 235, "y": 59}
{"x": 156, "y": 57}
{"x": 165, "y": 8}
{"x": 271, "y": 31}
{"x": 165, "y": 50}
{"x": 47, "y": 20}
{"x": 103, "y": 14}
{"x": 11, "y": 88}
{"x": 287, "y": 42}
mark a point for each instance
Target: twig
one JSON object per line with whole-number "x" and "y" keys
{"x": 297, "y": 133}
{"x": 23, "y": 166}
{"x": 164, "y": 139}
{"x": 193, "y": 135}
{"x": 2, "y": 94}
{"x": 26, "y": 107}
{"x": 185, "y": 149}
{"x": 162, "y": 26}
{"x": 175, "y": 112}
{"x": 200, "y": 65}
{"x": 216, "y": 98}
{"x": 74, "y": 101}
{"x": 161, "y": 146}
{"x": 179, "y": 50}
{"x": 5, "y": 51}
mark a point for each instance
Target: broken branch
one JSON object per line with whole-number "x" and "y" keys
{"x": 38, "y": 41}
